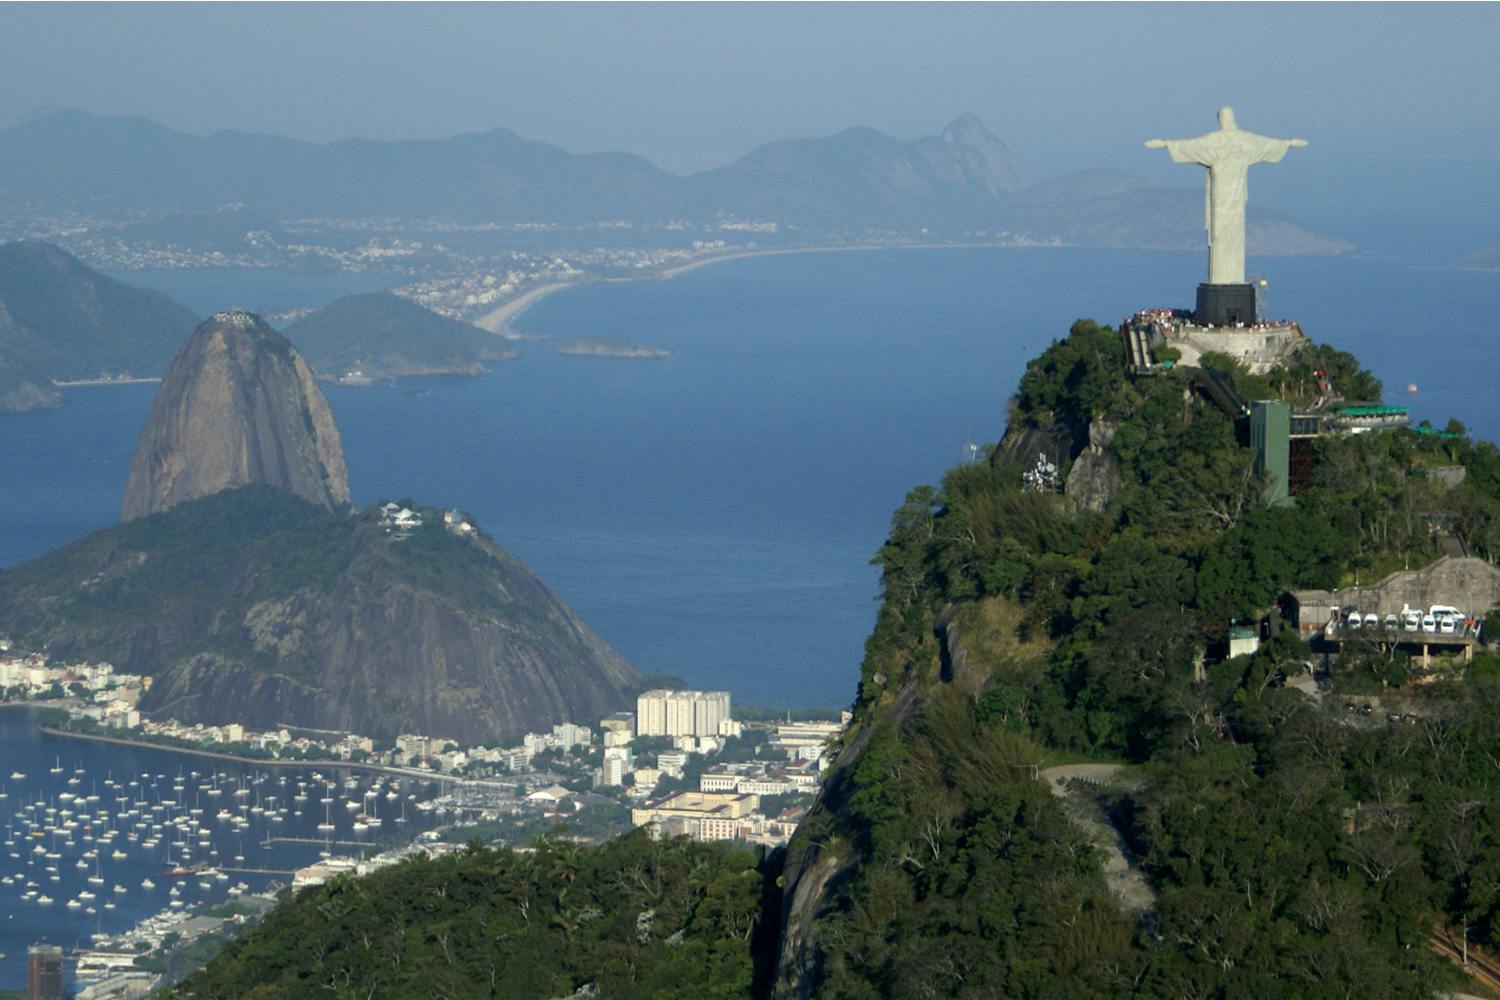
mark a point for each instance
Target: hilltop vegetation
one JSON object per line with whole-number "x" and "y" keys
{"x": 255, "y": 606}
{"x": 632, "y": 918}
{"x": 1251, "y": 815}
{"x": 1284, "y": 845}
{"x": 381, "y": 335}
{"x": 62, "y": 320}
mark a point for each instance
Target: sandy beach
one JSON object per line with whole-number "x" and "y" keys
{"x": 498, "y": 320}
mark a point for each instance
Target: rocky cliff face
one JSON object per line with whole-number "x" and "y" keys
{"x": 383, "y": 656}
{"x": 238, "y": 407}
{"x": 1094, "y": 479}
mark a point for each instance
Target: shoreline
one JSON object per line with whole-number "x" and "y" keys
{"x": 694, "y": 265}
{"x": 75, "y": 383}
{"x": 255, "y": 761}
{"x": 498, "y": 321}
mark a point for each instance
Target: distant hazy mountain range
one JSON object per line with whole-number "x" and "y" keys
{"x": 61, "y": 320}
{"x": 962, "y": 181}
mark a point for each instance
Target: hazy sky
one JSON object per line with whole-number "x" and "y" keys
{"x": 1068, "y": 87}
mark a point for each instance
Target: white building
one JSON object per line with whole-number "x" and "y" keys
{"x": 566, "y": 736}
{"x": 804, "y": 740}
{"x": 612, "y": 774}
{"x": 718, "y": 781}
{"x": 671, "y": 762}
{"x": 624, "y": 755}
{"x": 681, "y": 713}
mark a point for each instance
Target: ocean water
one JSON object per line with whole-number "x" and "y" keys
{"x": 713, "y": 515}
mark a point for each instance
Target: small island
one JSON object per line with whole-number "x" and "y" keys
{"x": 591, "y": 348}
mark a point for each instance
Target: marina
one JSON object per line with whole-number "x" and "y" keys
{"x": 96, "y": 838}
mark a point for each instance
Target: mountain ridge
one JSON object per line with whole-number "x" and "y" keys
{"x": 849, "y": 183}
{"x": 61, "y": 320}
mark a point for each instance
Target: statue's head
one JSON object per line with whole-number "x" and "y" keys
{"x": 1226, "y": 117}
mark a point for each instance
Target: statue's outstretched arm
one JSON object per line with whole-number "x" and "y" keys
{"x": 1298, "y": 143}
{"x": 1156, "y": 144}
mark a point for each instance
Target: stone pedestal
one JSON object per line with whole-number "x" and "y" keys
{"x": 1225, "y": 305}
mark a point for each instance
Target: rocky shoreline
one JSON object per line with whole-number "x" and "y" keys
{"x": 584, "y": 348}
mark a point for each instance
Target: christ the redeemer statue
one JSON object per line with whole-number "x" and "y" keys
{"x": 1228, "y": 155}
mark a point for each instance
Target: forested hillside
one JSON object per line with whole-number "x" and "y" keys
{"x": 1290, "y": 849}
{"x": 1245, "y": 829}
{"x": 633, "y": 918}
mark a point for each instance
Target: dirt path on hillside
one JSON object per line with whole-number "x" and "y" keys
{"x": 1071, "y": 783}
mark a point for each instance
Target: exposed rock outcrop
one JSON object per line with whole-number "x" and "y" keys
{"x": 1021, "y": 445}
{"x": 1095, "y": 477}
{"x": 238, "y": 407}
